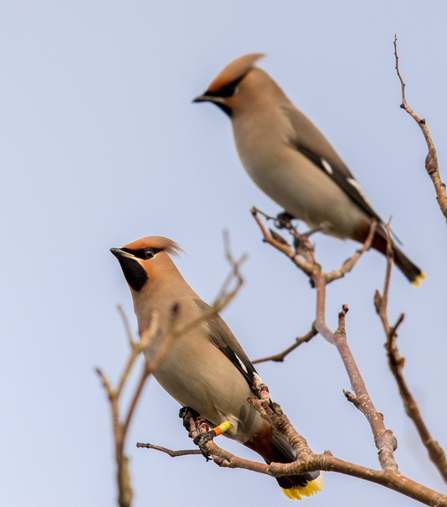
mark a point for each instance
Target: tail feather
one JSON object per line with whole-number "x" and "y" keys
{"x": 273, "y": 447}
{"x": 310, "y": 489}
{"x": 379, "y": 243}
{"x": 408, "y": 268}
{"x": 294, "y": 486}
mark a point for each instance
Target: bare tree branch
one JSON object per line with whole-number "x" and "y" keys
{"x": 126, "y": 324}
{"x": 384, "y": 438}
{"x": 280, "y": 357}
{"x": 350, "y": 263}
{"x": 396, "y": 363}
{"x": 173, "y": 454}
{"x": 431, "y": 161}
{"x": 308, "y": 265}
{"x": 125, "y": 493}
{"x": 303, "y": 256}
{"x": 307, "y": 461}
{"x": 281, "y": 245}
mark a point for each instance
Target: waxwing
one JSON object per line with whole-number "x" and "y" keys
{"x": 205, "y": 369}
{"x": 292, "y": 162}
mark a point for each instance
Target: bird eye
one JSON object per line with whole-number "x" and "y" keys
{"x": 230, "y": 89}
{"x": 148, "y": 253}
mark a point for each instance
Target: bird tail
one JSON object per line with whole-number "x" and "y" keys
{"x": 273, "y": 447}
{"x": 294, "y": 486}
{"x": 297, "y": 486}
{"x": 410, "y": 270}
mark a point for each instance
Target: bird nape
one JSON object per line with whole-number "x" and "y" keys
{"x": 206, "y": 368}
{"x": 292, "y": 162}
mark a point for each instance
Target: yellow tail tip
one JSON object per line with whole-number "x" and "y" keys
{"x": 311, "y": 488}
{"x": 418, "y": 280}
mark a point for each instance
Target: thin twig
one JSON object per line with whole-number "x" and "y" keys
{"x": 351, "y": 262}
{"x": 136, "y": 396}
{"x": 431, "y": 161}
{"x": 280, "y": 357}
{"x": 396, "y": 363}
{"x": 126, "y": 324}
{"x": 136, "y": 347}
{"x": 305, "y": 266}
{"x": 125, "y": 493}
{"x": 304, "y": 257}
{"x": 170, "y": 452}
{"x": 384, "y": 439}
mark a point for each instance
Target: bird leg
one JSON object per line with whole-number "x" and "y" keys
{"x": 283, "y": 220}
{"x": 318, "y": 228}
{"x": 204, "y": 436}
{"x": 188, "y": 415}
{"x": 195, "y": 424}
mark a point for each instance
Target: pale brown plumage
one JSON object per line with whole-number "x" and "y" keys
{"x": 291, "y": 160}
{"x": 205, "y": 369}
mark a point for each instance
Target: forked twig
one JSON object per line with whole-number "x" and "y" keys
{"x": 279, "y": 358}
{"x": 125, "y": 493}
{"x": 431, "y": 161}
{"x": 384, "y": 439}
{"x": 396, "y": 363}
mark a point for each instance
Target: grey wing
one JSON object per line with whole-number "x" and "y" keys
{"x": 308, "y": 140}
{"x": 222, "y": 337}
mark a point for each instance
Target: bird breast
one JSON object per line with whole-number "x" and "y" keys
{"x": 198, "y": 375}
{"x": 290, "y": 178}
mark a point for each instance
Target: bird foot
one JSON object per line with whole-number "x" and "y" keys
{"x": 194, "y": 423}
{"x": 283, "y": 220}
{"x": 187, "y": 413}
{"x": 202, "y": 439}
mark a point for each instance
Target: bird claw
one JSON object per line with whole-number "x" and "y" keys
{"x": 190, "y": 415}
{"x": 187, "y": 413}
{"x": 202, "y": 439}
{"x": 283, "y": 220}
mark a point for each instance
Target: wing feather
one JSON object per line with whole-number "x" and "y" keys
{"x": 309, "y": 141}
{"x": 222, "y": 337}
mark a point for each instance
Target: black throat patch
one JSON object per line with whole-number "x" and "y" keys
{"x": 134, "y": 273}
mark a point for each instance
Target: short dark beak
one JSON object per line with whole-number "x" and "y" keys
{"x": 118, "y": 253}
{"x": 219, "y": 101}
{"x": 201, "y": 98}
{"x": 207, "y": 98}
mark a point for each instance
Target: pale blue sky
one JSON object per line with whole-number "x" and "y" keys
{"x": 100, "y": 145}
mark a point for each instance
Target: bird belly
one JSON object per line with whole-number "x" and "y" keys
{"x": 305, "y": 191}
{"x": 214, "y": 387}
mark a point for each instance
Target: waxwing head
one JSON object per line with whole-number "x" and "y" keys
{"x": 224, "y": 89}
{"x": 146, "y": 261}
